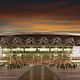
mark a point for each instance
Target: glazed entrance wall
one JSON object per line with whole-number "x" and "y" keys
{"x": 37, "y": 55}
{"x": 38, "y": 48}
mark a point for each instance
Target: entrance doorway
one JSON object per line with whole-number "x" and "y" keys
{"x": 37, "y": 59}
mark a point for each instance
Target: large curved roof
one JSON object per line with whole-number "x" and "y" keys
{"x": 47, "y": 38}
{"x": 73, "y": 33}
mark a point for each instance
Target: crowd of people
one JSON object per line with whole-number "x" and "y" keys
{"x": 19, "y": 66}
{"x": 12, "y": 66}
{"x": 64, "y": 66}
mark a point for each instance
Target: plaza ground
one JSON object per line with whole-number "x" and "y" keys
{"x": 40, "y": 72}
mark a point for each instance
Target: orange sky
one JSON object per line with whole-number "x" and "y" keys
{"x": 56, "y": 16}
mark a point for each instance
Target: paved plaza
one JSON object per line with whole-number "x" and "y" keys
{"x": 40, "y": 72}
{"x": 12, "y": 74}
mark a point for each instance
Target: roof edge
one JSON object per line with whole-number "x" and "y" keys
{"x": 73, "y": 33}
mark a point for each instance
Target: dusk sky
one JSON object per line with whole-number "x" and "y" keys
{"x": 39, "y": 15}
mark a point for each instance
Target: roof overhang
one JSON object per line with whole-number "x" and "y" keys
{"x": 42, "y": 33}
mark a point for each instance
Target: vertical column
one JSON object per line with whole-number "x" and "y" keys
{"x": 33, "y": 57}
{"x": 37, "y": 56}
{"x": 41, "y": 58}
{"x": 50, "y": 55}
{"x": 24, "y": 53}
{"x": 1, "y": 55}
{"x": 11, "y": 56}
{"x": 62, "y": 50}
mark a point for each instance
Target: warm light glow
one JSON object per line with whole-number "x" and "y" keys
{"x": 20, "y": 49}
{"x": 14, "y": 49}
{"x": 55, "y": 54}
{"x": 75, "y": 60}
{"x": 3, "y": 60}
{"x": 4, "y": 55}
{"x": 19, "y": 54}
{"x": 43, "y": 49}
{"x": 39, "y": 15}
{"x": 30, "y": 49}
{"x": 52, "y": 49}
{"x": 55, "y": 49}
{"x": 38, "y": 54}
{"x": 59, "y": 49}
{"x": 17, "y": 49}
{"x": 6, "y": 49}
{"x": 68, "y": 49}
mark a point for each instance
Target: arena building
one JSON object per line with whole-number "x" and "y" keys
{"x": 39, "y": 48}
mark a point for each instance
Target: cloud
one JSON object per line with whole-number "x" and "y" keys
{"x": 55, "y": 23}
{"x": 40, "y": 15}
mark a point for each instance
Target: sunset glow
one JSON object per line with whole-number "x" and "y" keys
{"x": 44, "y": 16}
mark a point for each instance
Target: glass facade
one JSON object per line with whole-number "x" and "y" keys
{"x": 37, "y": 48}
{"x": 37, "y": 54}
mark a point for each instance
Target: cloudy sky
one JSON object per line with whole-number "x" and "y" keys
{"x": 39, "y": 15}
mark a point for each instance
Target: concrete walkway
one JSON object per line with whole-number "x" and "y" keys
{"x": 39, "y": 72}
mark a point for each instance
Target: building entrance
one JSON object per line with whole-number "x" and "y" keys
{"x": 37, "y": 58}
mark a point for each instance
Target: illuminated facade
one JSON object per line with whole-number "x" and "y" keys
{"x": 38, "y": 48}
